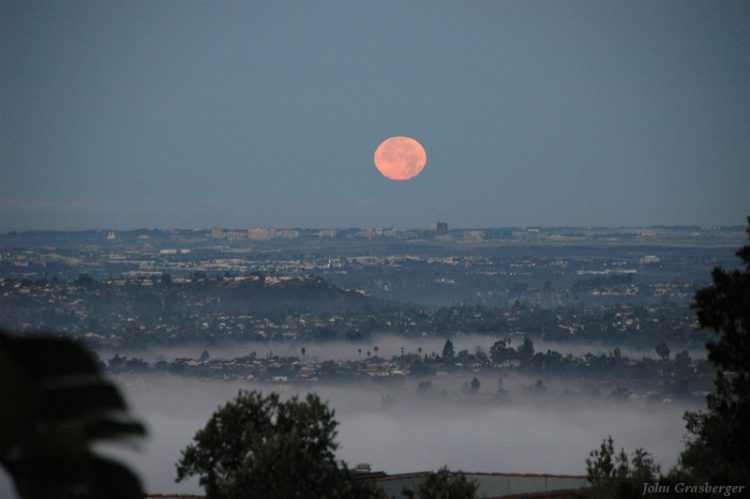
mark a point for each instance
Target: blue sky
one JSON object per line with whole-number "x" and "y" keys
{"x": 240, "y": 114}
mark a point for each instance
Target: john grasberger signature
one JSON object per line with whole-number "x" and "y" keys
{"x": 688, "y": 488}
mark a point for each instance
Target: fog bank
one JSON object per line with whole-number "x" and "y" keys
{"x": 408, "y": 431}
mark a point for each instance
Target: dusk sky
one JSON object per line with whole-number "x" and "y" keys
{"x": 128, "y": 114}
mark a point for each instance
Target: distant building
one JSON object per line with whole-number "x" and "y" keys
{"x": 217, "y": 233}
{"x": 473, "y": 235}
{"x": 111, "y": 236}
{"x": 377, "y": 232}
{"x": 442, "y": 228}
{"x": 288, "y": 234}
{"x": 235, "y": 235}
{"x": 260, "y": 234}
{"x": 649, "y": 259}
{"x": 533, "y": 235}
{"x": 174, "y": 251}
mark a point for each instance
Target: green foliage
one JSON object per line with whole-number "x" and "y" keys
{"x": 56, "y": 405}
{"x": 720, "y": 447}
{"x": 262, "y": 447}
{"x": 445, "y": 484}
{"x": 616, "y": 475}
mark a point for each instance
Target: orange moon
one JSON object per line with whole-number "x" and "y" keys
{"x": 400, "y": 158}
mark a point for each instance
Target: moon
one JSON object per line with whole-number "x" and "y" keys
{"x": 400, "y": 158}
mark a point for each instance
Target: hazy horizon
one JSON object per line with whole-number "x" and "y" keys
{"x": 165, "y": 228}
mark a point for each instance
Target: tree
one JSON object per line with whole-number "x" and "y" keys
{"x": 526, "y": 350}
{"x": 56, "y": 405}
{"x": 84, "y": 280}
{"x": 474, "y": 385}
{"x": 662, "y": 350}
{"x": 445, "y": 484}
{"x": 682, "y": 359}
{"x": 448, "y": 351}
{"x": 258, "y": 446}
{"x": 501, "y": 393}
{"x": 481, "y": 356}
{"x": 719, "y": 449}
{"x": 617, "y": 476}
{"x": 500, "y": 353}
{"x": 617, "y": 354}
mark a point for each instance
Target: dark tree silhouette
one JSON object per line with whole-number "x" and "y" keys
{"x": 474, "y": 385}
{"x": 444, "y": 484}
{"x": 500, "y": 352}
{"x": 261, "y": 447}
{"x": 720, "y": 447}
{"x": 56, "y": 404}
{"x": 449, "y": 352}
{"x": 662, "y": 350}
{"x": 616, "y": 475}
{"x": 526, "y": 350}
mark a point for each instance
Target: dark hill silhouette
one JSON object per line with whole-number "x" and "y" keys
{"x": 158, "y": 310}
{"x": 257, "y": 296}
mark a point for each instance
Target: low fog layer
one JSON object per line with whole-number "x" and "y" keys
{"x": 397, "y": 429}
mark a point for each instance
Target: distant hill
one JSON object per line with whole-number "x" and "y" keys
{"x": 260, "y": 295}
{"x": 163, "y": 309}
